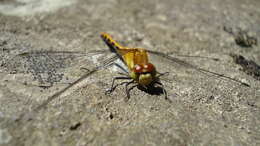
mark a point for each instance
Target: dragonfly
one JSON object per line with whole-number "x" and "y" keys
{"x": 140, "y": 70}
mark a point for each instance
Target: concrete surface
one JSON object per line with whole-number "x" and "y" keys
{"x": 204, "y": 110}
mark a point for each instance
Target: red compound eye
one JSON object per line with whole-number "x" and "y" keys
{"x": 149, "y": 67}
{"x": 138, "y": 68}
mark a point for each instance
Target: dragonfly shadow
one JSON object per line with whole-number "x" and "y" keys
{"x": 152, "y": 89}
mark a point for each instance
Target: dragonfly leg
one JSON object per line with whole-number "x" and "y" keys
{"x": 129, "y": 89}
{"x": 112, "y": 88}
{"x": 85, "y": 69}
{"x": 164, "y": 91}
{"x": 163, "y": 74}
{"x": 124, "y": 74}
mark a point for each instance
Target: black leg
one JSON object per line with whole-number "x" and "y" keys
{"x": 128, "y": 90}
{"x": 163, "y": 74}
{"x": 85, "y": 69}
{"x": 112, "y": 88}
{"x": 164, "y": 91}
{"x": 124, "y": 74}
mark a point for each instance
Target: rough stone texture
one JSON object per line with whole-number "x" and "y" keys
{"x": 203, "y": 110}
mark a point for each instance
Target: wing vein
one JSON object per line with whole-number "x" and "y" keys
{"x": 105, "y": 63}
{"x": 204, "y": 71}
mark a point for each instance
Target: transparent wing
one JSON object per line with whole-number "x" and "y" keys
{"x": 49, "y": 67}
{"x": 34, "y": 76}
{"x": 199, "y": 78}
{"x": 103, "y": 64}
{"x": 181, "y": 63}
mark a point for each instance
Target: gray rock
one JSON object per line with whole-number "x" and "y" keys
{"x": 204, "y": 109}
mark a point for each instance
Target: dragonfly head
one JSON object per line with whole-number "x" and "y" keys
{"x": 144, "y": 74}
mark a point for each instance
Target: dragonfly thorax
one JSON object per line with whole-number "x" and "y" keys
{"x": 144, "y": 74}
